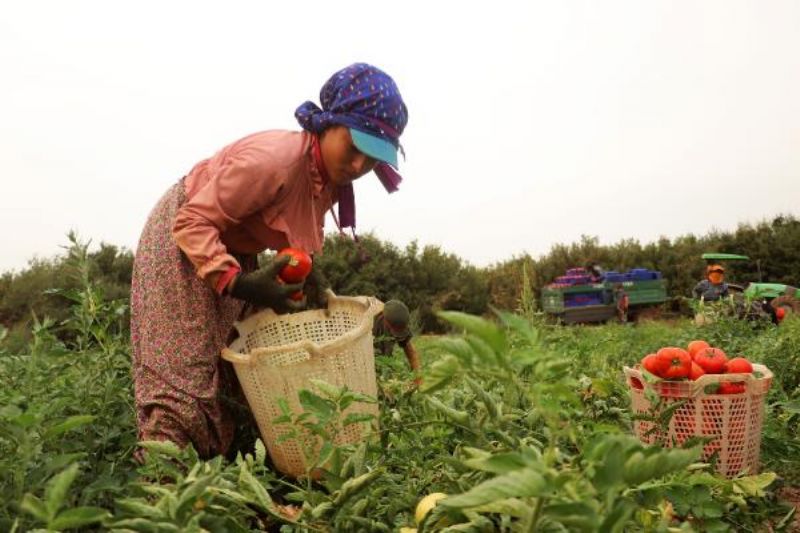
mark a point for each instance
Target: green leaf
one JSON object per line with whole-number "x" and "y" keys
{"x": 67, "y": 425}
{"x": 261, "y": 452}
{"x": 58, "y": 488}
{"x": 79, "y": 517}
{"x": 456, "y": 346}
{"x": 143, "y": 524}
{"x": 354, "y": 485}
{"x": 486, "y": 398}
{"x": 754, "y": 486}
{"x": 140, "y": 508}
{"x": 519, "y": 325}
{"x": 349, "y": 397}
{"x": 253, "y": 487}
{"x": 162, "y": 447}
{"x": 325, "y": 453}
{"x": 315, "y": 405}
{"x": 332, "y": 392}
{"x": 511, "y": 506}
{"x": 484, "y": 351}
{"x": 58, "y": 462}
{"x": 709, "y": 509}
{"x": 603, "y": 387}
{"x": 577, "y": 516}
{"x": 792, "y": 407}
{"x": 34, "y": 506}
{"x": 484, "y": 329}
{"x": 190, "y": 494}
{"x": 283, "y": 405}
{"x": 501, "y": 463}
{"x": 441, "y": 373}
{"x": 615, "y": 521}
{"x": 355, "y": 418}
{"x": 521, "y": 483}
{"x": 459, "y": 417}
{"x": 610, "y": 459}
{"x": 654, "y": 463}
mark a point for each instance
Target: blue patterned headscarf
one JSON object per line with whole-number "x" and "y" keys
{"x": 364, "y": 98}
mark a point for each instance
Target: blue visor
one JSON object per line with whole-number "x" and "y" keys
{"x": 375, "y": 147}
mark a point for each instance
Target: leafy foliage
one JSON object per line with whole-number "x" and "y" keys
{"x": 525, "y": 425}
{"x": 429, "y": 279}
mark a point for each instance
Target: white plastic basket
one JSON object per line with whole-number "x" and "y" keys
{"x": 276, "y": 355}
{"x": 733, "y": 421}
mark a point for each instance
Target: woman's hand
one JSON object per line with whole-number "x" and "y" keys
{"x": 264, "y": 289}
{"x": 317, "y": 288}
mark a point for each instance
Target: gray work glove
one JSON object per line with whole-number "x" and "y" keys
{"x": 317, "y": 288}
{"x": 263, "y": 288}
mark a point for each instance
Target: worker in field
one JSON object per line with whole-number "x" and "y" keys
{"x": 196, "y": 267}
{"x": 391, "y": 326}
{"x": 713, "y": 287}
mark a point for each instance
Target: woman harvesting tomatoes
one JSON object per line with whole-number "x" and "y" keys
{"x": 195, "y": 268}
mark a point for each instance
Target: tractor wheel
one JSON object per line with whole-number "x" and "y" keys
{"x": 789, "y": 303}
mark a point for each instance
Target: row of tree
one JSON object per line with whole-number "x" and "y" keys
{"x": 430, "y": 279}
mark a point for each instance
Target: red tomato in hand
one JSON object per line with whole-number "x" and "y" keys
{"x": 637, "y": 383}
{"x": 677, "y": 362}
{"x": 298, "y": 267}
{"x": 739, "y": 365}
{"x": 711, "y": 360}
{"x": 653, "y": 364}
{"x": 697, "y": 345}
{"x": 696, "y": 372}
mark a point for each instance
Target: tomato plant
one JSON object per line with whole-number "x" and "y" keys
{"x": 526, "y": 426}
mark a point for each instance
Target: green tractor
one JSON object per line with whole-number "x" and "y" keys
{"x": 754, "y": 300}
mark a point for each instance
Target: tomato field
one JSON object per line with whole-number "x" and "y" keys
{"x": 525, "y": 426}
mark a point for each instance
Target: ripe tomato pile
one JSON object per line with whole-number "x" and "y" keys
{"x": 698, "y": 359}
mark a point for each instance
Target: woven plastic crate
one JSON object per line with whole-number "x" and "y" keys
{"x": 733, "y": 421}
{"x": 276, "y": 355}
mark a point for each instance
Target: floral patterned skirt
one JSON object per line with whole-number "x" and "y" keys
{"x": 184, "y": 391}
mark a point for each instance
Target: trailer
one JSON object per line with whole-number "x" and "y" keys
{"x": 578, "y": 297}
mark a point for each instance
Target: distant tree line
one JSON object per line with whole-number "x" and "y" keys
{"x": 429, "y": 279}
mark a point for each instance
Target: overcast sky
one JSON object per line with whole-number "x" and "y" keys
{"x": 530, "y": 123}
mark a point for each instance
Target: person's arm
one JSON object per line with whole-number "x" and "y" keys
{"x": 699, "y": 289}
{"x": 243, "y": 183}
{"x": 413, "y": 361}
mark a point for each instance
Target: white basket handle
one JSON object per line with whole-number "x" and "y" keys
{"x": 374, "y": 306}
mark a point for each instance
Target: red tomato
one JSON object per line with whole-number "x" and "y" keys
{"x": 696, "y": 372}
{"x": 653, "y": 364}
{"x": 677, "y": 363}
{"x": 697, "y": 345}
{"x": 298, "y": 267}
{"x": 711, "y": 360}
{"x": 296, "y": 296}
{"x": 727, "y": 387}
{"x": 780, "y": 313}
{"x": 739, "y": 365}
{"x": 637, "y": 383}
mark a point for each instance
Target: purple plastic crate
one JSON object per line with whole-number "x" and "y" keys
{"x": 583, "y": 299}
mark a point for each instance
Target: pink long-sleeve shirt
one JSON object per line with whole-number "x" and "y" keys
{"x": 263, "y": 191}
